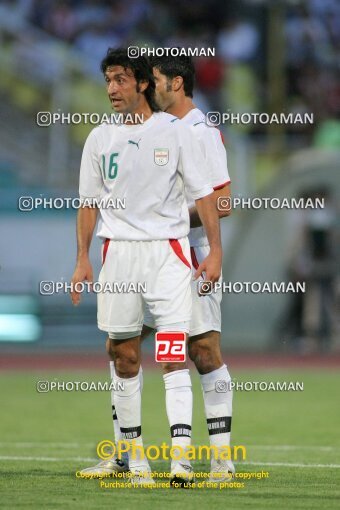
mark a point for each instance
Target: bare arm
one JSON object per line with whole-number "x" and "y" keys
{"x": 223, "y": 193}
{"x": 86, "y": 222}
{"x": 211, "y": 265}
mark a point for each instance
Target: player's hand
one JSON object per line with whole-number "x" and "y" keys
{"x": 211, "y": 266}
{"x": 83, "y": 272}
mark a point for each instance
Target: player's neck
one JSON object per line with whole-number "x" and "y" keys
{"x": 181, "y": 107}
{"x": 142, "y": 111}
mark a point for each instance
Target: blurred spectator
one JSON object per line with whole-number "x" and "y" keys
{"x": 306, "y": 37}
{"x": 209, "y": 77}
{"x": 91, "y": 12}
{"x": 94, "y": 42}
{"x": 311, "y": 315}
{"x": 237, "y": 30}
{"x": 61, "y": 21}
{"x": 238, "y": 41}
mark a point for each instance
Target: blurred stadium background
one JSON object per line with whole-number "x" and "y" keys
{"x": 272, "y": 56}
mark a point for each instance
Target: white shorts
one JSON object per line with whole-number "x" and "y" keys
{"x": 157, "y": 274}
{"x": 206, "y": 310}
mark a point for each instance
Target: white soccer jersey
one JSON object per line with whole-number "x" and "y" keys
{"x": 215, "y": 156}
{"x": 149, "y": 166}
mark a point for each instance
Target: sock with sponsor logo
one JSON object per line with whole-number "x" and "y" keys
{"x": 218, "y": 398}
{"x": 128, "y": 408}
{"x": 178, "y": 396}
{"x": 116, "y": 428}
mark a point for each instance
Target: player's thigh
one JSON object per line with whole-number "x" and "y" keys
{"x": 149, "y": 325}
{"x": 120, "y": 311}
{"x": 168, "y": 297}
{"x": 146, "y": 331}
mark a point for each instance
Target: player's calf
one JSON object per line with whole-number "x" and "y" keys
{"x": 127, "y": 401}
{"x": 204, "y": 350}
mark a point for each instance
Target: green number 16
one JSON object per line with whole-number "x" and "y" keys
{"x": 113, "y": 166}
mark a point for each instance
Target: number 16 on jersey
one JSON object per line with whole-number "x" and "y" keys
{"x": 110, "y": 169}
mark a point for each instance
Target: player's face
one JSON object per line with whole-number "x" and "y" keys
{"x": 164, "y": 94}
{"x": 122, "y": 89}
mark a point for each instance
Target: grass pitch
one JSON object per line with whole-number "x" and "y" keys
{"x": 47, "y": 437}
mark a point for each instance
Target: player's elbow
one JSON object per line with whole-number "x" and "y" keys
{"x": 224, "y": 213}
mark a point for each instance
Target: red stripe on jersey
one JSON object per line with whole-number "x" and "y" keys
{"x": 220, "y": 186}
{"x": 175, "y": 245}
{"x": 222, "y": 137}
{"x": 106, "y": 247}
{"x": 194, "y": 258}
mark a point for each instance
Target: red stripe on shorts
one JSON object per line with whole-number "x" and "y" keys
{"x": 194, "y": 258}
{"x": 175, "y": 245}
{"x": 106, "y": 247}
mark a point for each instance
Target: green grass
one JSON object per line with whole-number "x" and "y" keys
{"x": 277, "y": 428}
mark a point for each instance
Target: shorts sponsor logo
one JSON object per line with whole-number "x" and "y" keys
{"x": 170, "y": 346}
{"x": 161, "y": 156}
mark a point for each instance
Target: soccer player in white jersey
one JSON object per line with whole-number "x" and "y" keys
{"x": 174, "y": 77}
{"x": 150, "y": 165}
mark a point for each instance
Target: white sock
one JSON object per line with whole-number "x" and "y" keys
{"x": 141, "y": 381}
{"x": 128, "y": 407}
{"x": 178, "y": 396}
{"x": 116, "y": 428}
{"x": 218, "y": 398}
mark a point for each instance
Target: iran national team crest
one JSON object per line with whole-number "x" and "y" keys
{"x": 161, "y": 156}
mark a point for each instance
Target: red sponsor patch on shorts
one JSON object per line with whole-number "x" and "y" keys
{"x": 170, "y": 346}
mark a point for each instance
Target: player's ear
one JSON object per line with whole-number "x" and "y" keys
{"x": 177, "y": 83}
{"x": 142, "y": 86}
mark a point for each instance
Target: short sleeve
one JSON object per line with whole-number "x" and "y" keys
{"x": 210, "y": 140}
{"x": 90, "y": 181}
{"x": 192, "y": 164}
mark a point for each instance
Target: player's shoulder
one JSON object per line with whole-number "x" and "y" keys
{"x": 165, "y": 118}
{"x": 101, "y": 130}
{"x": 102, "y": 133}
{"x": 197, "y": 121}
{"x": 194, "y": 118}
{"x": 172, "y": 126}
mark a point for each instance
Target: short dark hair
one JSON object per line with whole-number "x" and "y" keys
{"x": 141, "y": 68}
{"x": 177, "y": 66}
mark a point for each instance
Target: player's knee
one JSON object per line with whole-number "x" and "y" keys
{"x": 206, "y": 357}
{"x": 110, "y": 348}
{"x": 126, "y": 360}
{"x": 126, "y": 365}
